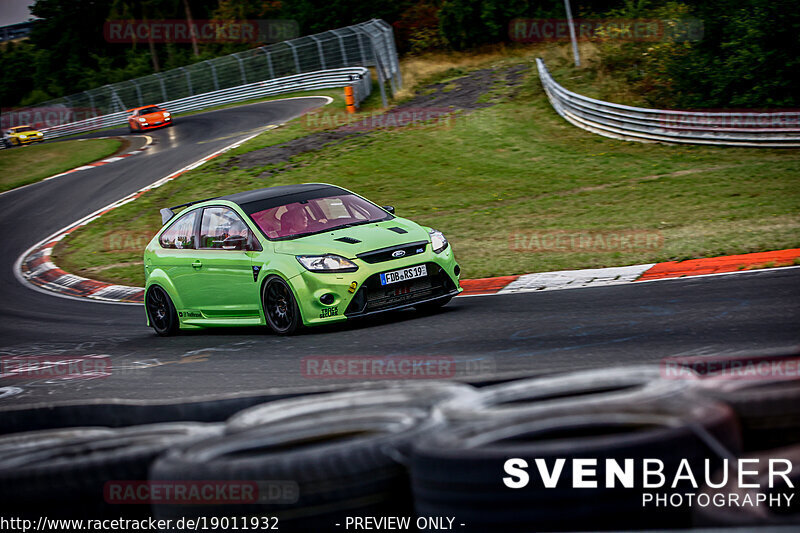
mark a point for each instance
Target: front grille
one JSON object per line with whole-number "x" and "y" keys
{"x": 393, "y": 252}
{"x": 372, "y": 296}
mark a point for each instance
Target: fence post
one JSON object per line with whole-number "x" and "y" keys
{"x": 341, "y": 46}
{"x": 188, "y": 81}
{"x": 381, "y": 81}
{"x": 294, "y": 53}
{"x": 269, "y": 62}
{"x": 392, "y": 50}
{"x": 378, "y": 63}
{"x": 241, "y": 69}
{"x": 116, "y": 99}
{"x": 138, "y": 92}
{"x": 361, "y": 48}
{"x": 213, "y": 74}
{"x": 321, "y": 53}
{"x": 163, "y": 87}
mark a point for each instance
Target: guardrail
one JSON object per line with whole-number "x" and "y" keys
{"x": 357, "y": 77}
{"x": 369, "y": 44}
{"x": 773, "y": 129}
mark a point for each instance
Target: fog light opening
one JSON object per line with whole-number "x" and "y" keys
{"x": 326, "y": 299}
{"x": 457, "y": 270}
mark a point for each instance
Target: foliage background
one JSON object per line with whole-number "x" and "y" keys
{"x": 749, "y": 56}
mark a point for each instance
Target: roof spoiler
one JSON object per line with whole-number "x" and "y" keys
{"x": 167, "y": 213}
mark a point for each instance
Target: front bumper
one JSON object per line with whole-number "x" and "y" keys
{"x": 155, "y": 125}
{"x": 29, "y": 140}
{"x": 368, "y": 297}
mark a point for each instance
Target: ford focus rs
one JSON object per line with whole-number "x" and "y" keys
{"x": 291, "y": 256}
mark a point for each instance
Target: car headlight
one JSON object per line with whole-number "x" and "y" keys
{"x": 142, "y": 120}
{"x": 166, "y": 114}
{"x": 438, "y": 242}
{"x": 23, "y": 136}
{"x": 327, "y": 263}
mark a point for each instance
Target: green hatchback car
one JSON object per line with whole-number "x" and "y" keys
{"x": 291, "y": 256}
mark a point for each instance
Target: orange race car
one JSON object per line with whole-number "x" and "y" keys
{"x": 148, "y": 118}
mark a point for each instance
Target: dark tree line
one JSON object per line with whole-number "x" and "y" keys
{"x": 749, "y": 56}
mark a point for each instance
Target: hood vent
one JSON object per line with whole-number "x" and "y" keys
{"x": 348, "y": 240}
{"x": 397, "y": 230}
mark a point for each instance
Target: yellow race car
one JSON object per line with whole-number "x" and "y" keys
{"x": 20, "y": 135}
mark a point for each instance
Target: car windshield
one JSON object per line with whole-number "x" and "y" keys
{"x": 148, "y": 110}
{"x": 317, "y": 215}
{"x": 20, "y": 129}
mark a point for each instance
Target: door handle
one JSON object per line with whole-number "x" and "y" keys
{"x": 197, "y": 264}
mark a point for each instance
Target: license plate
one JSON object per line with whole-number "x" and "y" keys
{"x": 404, "y": 274}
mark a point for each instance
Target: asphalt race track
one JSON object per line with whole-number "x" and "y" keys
{"x": 516, "y": 334}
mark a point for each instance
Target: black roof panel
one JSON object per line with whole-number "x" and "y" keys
{"x": 258, "y": 199}
{"x": 273, "y": 192}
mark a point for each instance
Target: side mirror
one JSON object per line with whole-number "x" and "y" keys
{"x": 234, "y": 242}
{"x": 389, "y": 208}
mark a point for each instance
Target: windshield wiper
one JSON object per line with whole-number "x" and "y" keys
{"x": 351, "y": 224}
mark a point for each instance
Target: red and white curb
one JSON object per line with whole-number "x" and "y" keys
{"x": 598, "y": 277}
{"x": 112, "y": 159}
{"x": 572, "y": 279}
{"x": 36, "y": 269}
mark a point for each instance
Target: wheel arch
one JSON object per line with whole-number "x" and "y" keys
{"x": 275, "y": 273}
{"x": 160, "y": 278}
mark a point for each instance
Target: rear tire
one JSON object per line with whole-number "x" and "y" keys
{"x": 280, "y": 307}
{"x": 161, "y": 312}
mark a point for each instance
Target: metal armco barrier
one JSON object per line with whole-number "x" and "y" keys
{"x": 369, "y": 44}
{"x": 356, "y": 77}
{"x": 780, "y": 129}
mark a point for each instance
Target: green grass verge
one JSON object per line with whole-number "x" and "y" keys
{"x": 513, "y": 167}
{"x": 28, "y": 164}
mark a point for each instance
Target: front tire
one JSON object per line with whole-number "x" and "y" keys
{"x": 280, "y": 307}
{"x": 161, "y": 312}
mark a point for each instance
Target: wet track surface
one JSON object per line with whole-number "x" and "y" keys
{"x": 517, "y": 333}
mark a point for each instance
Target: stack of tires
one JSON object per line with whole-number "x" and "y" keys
{"x": 428, "y": 449}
